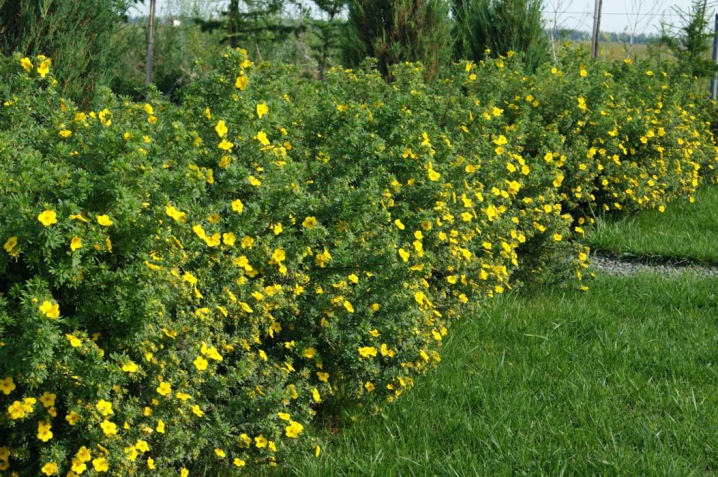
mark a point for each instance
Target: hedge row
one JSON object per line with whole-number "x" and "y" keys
{"x": 183, "y": 286}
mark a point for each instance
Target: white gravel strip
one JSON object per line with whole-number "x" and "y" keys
{"x": 624, "y": 267}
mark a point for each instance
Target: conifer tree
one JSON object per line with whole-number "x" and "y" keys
{"x": 255, "y": 25}
{"x": 76, "y": 35}
{"x": 500, "y": 26}
{"x": 394, "y": 31}
{"x": 690, "y": 43}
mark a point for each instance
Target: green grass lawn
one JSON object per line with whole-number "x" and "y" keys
{"x": 685, "y": 232}
{"x": 619, "y": 380}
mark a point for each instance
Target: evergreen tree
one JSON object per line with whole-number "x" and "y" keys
{"x": 255, "y": 25}
{"x": 500, "y": 26}
{"x": 76, "y": 35}
{"x": 328, "y": 30}
{"x": 691, "y": 42}
{"x": 394, "y": 31}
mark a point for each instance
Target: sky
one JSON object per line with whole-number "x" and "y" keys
{"x": 630, "y": 16}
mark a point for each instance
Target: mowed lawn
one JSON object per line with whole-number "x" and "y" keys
{"x": 619, "y": 380}
{"x": 685, "y": 232}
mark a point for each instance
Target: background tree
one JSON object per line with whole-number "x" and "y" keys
{"x": 76, "y": 35}
{"x": 328, "y": 28}
{"x": 255, "y": 25}
{"x": 394, "y": 31}
{"x": 690, "y": 42}
{"x": 500, "y": 26}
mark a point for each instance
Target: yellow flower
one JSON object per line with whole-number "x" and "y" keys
{"x": 262, "y": 138}
{"x": 239, "y": 462}
{"x": 348, "y": 306}
{"x": 65, "y": 133}
{"x": 79, "y": 217}
{"x": 253, "y": 181}
{"x": 369, "y": 386}
{"x": 367, "y": 351}
{"x": 75, "y": 243}
{"x": 399, "y": 224}
{"x": 72, "y": 417}
{"x": 316, "y": 396}
{"x": 200, "y": 363}
{"x": 225, "y": 145}
{"x": 44, "y": 67}
{"x": 164, "y": 388}
{"x": 241, "y": 82}
{"x": 142, "y": 446}
{"x": 10, "y": 244}
{"x": 220, "y": 453}
{"x": 43, "y": 431}
{"x": 262, "y": 109}
{"x": 229, "y": 238}
{"x": 74, "y": 341}
{"x": 557, "y": 237}
{"x": 237, "y": 206}
{"x": 129, "y": 367}
{"x": 47, "y": 218}
{"x": 104, "y": 220}
{"x": 176, "y": 214}
{"x": 197, "y": 411}
{"x": 105, "y": 407}
{"x": 109, "y": 428}
{"x": 100, "y": 464}
{"x": 221, "y": 128}
{"x": 184, "y": 472}
{"x": 260, "y": 441}
{"x": 224, "y": 162}
{"x": 323, "y": 377}
{"x": 50, "y": 468}
{"x": 16, "y": 410}
{"x": 293, "y": 429}
{"x": 148, "y": 108}
{"x": 404, "y": 255}
{"x": 7, "y": 385}
{"x": 48, "y": 399}
{"x": 27, "y": 64}
{"x": 160, "y": 426}
{"x": 277, "y": 228}
{"x": 49, "y": 310}
{"x": 105, "y": 117}
{"x": 309, "y": 222}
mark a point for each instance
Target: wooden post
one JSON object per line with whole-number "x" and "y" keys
{"x": 596, "y": 28}
{"x": 714, "y": 80}
{"x": 150, "y": 44}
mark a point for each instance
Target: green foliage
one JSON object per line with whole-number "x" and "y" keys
{"x": 271, "y": 245}
{"x": 77, "y": 35}
{"x": 690, "y": 42}
{"x": 396, "y": 31}
{"x": 500, "y": 26}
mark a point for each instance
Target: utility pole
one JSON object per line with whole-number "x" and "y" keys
{"x": 714, "y": 80}
{"x": 596, "y": 28}
{"x": 150, "y": 44}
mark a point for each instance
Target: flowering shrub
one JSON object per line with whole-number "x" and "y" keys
{"x": 182, "y": 286}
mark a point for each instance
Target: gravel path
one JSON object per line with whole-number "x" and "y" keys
{"x": 624, "y": 267}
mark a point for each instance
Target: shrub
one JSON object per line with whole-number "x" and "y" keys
{"x": 183, "y": 286}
